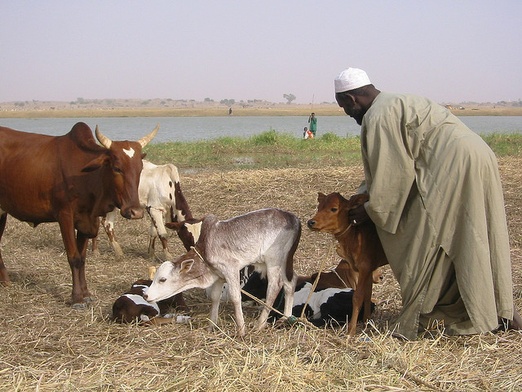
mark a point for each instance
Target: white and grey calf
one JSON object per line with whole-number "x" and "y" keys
{"x": 266, "y": 239}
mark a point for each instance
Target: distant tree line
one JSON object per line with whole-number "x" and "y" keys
{"x": 289, "y": 98}
{"x": 227, "y": 102}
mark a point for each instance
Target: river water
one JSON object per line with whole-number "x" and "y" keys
{"x": 185, "y": 129}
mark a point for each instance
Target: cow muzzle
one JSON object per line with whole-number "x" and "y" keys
{"x": 132, "y": 213}
{"x": 311, "y": 224}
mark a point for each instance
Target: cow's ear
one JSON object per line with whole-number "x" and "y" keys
{"x": 320, "y": 196}
{"x": 358, "y": 200}
{"x": 95, "y": 164}
{"x": 143, "y": 155}
{"x": 186, "y": 265}
{"x": 176, "y": 226}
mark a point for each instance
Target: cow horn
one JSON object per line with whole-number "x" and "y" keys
{"x": 146, "y": 139}
{"x": 104, "y": 140}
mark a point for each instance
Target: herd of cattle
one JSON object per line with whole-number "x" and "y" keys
{"x": 75, "y": 181}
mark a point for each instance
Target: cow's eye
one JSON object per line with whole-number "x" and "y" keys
{"x": 333, "y": 209}
{"x": 117, "y": 170}
{"x": 163, "y": 280}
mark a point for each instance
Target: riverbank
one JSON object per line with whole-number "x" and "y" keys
{"x": 272, "y": 150}
{"x": 208, "y": 110}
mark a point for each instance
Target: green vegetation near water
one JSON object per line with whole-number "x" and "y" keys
{"x": 273, "y": 150}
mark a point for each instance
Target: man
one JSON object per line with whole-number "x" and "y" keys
{"x": 313, "y": 123}
{"x": 437, "y": 202}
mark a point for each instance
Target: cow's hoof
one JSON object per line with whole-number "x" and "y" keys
{"x": 79, "y": 306}
{"x": 89, "y": 300}
{"x": 292, "y": 320}
{"x": 286, "y": 322}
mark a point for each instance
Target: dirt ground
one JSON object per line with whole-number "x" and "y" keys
{"x": 47, "y": 346}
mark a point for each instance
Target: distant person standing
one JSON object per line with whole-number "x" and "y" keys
{"x": 229, "y": 111}
{"x": 312, "y": 120}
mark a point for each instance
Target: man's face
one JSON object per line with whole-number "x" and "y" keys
{"x": 350, "y": 106}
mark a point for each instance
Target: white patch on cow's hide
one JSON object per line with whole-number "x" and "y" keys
{"x": 317, "y": 298}
{"x": 194, "y": 229}
{"x": 139, "y": 300}
{"x": 129, "y": 152}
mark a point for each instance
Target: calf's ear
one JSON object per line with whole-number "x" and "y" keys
{"x": 320, "y": 196}
{"x": 186, "y": 265}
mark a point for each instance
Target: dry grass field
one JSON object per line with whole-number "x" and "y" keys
{"x": 47, "y": 346}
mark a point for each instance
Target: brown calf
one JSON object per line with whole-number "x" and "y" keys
{"x": 359, "y": 245}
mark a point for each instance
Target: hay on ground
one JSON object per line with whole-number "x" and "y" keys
{"x": 47, "y": 346}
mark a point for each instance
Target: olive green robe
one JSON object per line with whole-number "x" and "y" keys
{"x": 436, "y": 199}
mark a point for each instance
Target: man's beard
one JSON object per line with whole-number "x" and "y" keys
{"x": 358, "y": 116}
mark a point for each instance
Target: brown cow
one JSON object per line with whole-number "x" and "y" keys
{"x": 360, "y": 245}
{"x": 71, "y": 180}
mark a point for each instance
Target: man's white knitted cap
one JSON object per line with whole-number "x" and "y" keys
{"x": 350, "y": 79}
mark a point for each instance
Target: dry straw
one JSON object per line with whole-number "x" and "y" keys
{"x": 47, "y": 346}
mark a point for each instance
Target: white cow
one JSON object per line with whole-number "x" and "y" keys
{"x": 266, "y": 239}
{"x": 160, "y": 194}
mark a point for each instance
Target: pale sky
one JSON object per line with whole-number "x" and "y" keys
{"x": 450, "y": 51}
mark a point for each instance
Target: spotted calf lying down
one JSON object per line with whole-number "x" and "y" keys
{"x": 330, "y": 306}
{"x": 132, "y": 307}
{"x": 326, "y": 306}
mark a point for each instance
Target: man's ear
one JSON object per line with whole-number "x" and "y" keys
{"x": 351, "y": 98}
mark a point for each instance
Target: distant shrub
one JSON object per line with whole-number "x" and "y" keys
{"x": 268, "y": 138}
{"x": 228, "y": 140}
{"x": 330, "y": 137}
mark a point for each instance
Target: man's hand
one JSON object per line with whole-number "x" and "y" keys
{"x": 358, "y": 215}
